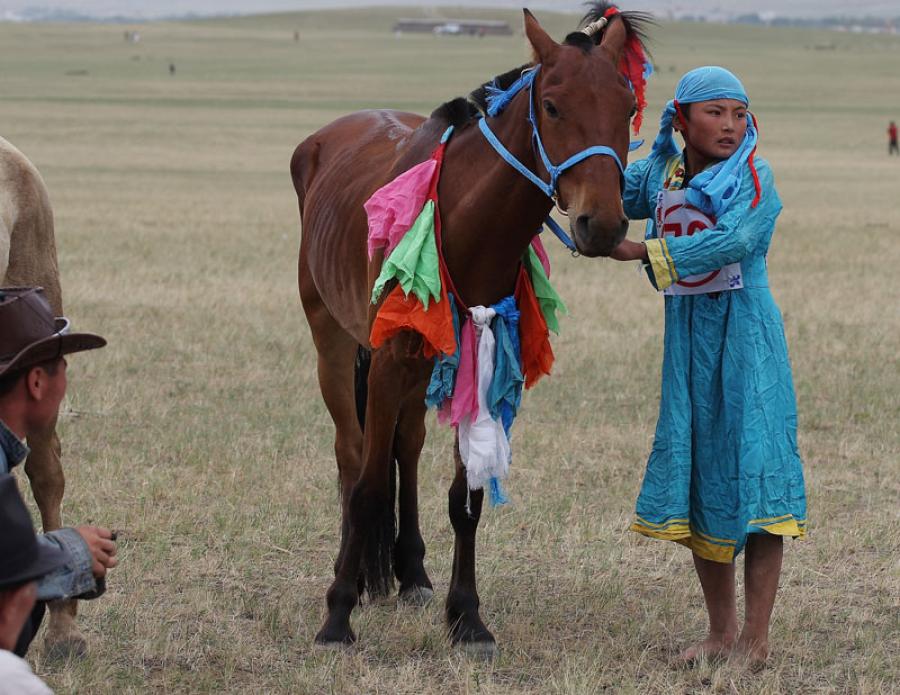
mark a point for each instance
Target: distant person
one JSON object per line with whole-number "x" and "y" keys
{"x": 32, "y": 385}
{"x": 892, "y": 139}
{"x": 725, "y": 474}
{"x": 25, "y": 562}
{"x": 171, "y": 68}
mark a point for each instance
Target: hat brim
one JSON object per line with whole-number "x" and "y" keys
{"x": 48, "y": 560}
{"x": 52, "y": 347}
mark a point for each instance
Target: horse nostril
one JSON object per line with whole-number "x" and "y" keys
{"x": 583, "y": 224}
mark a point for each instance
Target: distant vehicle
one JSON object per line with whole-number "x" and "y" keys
{"x": 449, "y": 29}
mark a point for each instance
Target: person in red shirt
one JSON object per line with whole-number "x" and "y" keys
{"x": 892, "y": 139}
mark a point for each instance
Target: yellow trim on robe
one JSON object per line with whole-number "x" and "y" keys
{"x": 785, "y": 525}
{"x": 665, "y": 532}
{"x": 712, "y": 548}
{"x": 710, "y": 551}
{"x": 650, "y": 524}
{"x": 713, "y": 539}
{"x": 661, "y": 263}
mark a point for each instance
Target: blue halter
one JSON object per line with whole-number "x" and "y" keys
{"x": 497, "y": 101}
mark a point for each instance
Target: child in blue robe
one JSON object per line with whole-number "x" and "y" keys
{"x": 724, "y": 474}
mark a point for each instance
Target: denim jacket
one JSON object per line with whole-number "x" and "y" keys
{"x": 76, "y": 577}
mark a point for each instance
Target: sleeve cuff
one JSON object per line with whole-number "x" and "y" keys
{"x": 661, "y": 264}
{"x": 76, "y": 577}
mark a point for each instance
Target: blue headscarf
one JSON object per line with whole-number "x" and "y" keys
{"x": 713, "y": 189}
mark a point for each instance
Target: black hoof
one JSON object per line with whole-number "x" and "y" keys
{"x": 468, "y": 633}
{"x": 333, "y": 646}
{"x": 416, "y": 596}
{"x": 484, "y": 651}
{"x": 333, "y": 637}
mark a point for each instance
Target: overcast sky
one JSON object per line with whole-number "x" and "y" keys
{"x": 157, "y": 8}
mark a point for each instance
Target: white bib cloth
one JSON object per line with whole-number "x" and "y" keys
{"x": 676, "y": 217}
{"x": 17, "y": 678}
{"x": 483, "y": 445}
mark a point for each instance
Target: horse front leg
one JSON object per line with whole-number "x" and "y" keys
{"x": 48, "y": 483}
{"x": 409, "y": 552}
{"x": 464, "y": 622}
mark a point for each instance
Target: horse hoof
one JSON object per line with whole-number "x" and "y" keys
{"x": 328, "y": 640}
{"x": 416, "y": 596}
{"x": 484, "y": 651}
{"x": 63, "y": 649}
{"x": 333, "y": 646}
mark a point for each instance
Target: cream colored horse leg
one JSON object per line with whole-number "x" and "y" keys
{"x": 44, "y": 470}
{"x": 5, "y": 242}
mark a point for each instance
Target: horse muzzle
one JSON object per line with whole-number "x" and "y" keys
{"x": 595, "y": 236}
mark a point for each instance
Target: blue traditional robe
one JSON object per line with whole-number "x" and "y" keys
{"x": 724, "y": 462}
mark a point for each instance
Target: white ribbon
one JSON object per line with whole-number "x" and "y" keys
{"x": 483, "y": 445}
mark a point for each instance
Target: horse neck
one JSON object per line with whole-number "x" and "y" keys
{"x": 489, "y": 211}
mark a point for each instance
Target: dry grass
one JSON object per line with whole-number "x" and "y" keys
{"x": 199, "y": 430}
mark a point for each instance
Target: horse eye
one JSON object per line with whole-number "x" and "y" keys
{"x": 550, "y": 109}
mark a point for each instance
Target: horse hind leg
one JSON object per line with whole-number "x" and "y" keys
{"x": 463, "y": 620}
{"x": 336, "y": 366}
{"x": 45, "y": 474}
{"x": 409, "y": 551}
{"x": 371, "y": 536}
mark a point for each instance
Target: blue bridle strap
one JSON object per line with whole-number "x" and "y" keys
{"x": 560, "y": 233}
{"x": 510, "y": 159}
{"x": 497, "y": 102}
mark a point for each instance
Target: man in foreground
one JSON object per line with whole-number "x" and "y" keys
{"x": 25, "y": 561}
{"x": 32, "y": 385}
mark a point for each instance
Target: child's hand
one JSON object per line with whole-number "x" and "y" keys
{"x": 629, "y": 251}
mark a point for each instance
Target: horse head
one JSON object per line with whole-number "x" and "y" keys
{"x": 582, "y": 99}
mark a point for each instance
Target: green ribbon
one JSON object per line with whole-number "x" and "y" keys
{"x": 414, "y": 261}
{"x": 550, "y": 302}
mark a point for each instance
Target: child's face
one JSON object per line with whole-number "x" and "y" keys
{"x": 715, "y": 129}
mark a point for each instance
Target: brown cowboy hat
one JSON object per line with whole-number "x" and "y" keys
{"x": 30, "y": 334}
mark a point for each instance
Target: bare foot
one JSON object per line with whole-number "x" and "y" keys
{"x": 713, "y": 647}
{"x": 754, "y": 651}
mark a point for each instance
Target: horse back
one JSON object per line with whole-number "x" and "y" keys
{"x": 335, "y": 170}
{"x": 27, "y": 241}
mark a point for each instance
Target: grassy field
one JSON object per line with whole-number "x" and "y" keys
{"x": 200, "y": 433}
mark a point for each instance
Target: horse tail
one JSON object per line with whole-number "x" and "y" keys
{"x": 361, "y": 383}
{"x": 304, "y": 163}
{"x": 378, "y": 555}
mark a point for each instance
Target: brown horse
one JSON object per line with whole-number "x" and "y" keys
{"x": 489, "y": 214}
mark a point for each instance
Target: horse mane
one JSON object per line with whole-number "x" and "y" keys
{"x": 637, "y": 24}
{"x": 462, "y": 111}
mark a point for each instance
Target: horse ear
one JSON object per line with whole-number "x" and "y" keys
{"x": 613, "y": 41}
{"x": 543, "y": 46}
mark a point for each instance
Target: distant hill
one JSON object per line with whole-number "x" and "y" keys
{"x": 712, "y": 10}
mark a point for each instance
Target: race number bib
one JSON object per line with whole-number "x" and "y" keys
{"x": 676, "y": 217}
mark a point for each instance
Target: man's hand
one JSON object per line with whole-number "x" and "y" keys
{"x": 629, "y": 251}
{"x": 102, "y": 547}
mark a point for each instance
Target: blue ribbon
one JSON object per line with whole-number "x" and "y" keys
{"x": 443, "y": 375}
{"x": 505, "y": 394}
